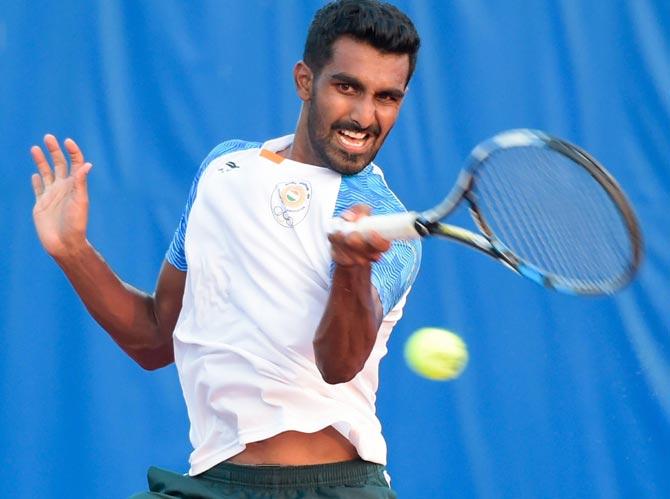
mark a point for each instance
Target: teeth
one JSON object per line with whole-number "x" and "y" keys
{"x": 353, "y": 135}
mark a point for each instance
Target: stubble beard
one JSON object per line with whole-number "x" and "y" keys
{"x": 322, "y": 142}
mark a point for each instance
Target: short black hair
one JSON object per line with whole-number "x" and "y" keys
{"x": 377, "y": 23}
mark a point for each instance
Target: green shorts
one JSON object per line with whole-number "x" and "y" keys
{"x": 347, "y": 480}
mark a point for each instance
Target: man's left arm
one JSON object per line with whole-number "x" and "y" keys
{"x": 348, "y": 328}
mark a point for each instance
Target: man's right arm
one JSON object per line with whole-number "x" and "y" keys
{"x": 141, "y": 324}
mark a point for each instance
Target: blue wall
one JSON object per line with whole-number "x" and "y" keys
{"x": 563, "y": 397}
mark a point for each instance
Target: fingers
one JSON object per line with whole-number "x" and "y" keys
{"x": 341, "y": 250}
{"x": 357, "y": 249}
{"x": 377, "y": 242}
{"x": 42, "y": 165}
{"x": 60, "y": 163}
{"x": 76, "y": 156}
{"x": 80, "y": 177}
{"x": 356, "y": 211}
{"x": 60, "y": 169}
{"x": 38, "y": 186}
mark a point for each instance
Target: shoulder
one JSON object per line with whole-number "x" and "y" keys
{"x": 368, "y": 187}
{"x": 225, "y": 151}
{"x": 228, "y": 147}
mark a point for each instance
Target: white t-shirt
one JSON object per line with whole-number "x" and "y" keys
{"x": 253, "y": 242}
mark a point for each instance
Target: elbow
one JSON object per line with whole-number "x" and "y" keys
{"x": 151, "y": 359}
{"x": 152, "y": 364}
{"x": 337, "y": 377}
{"x": 339, "y": 371}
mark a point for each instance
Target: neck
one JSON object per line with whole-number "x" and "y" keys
{"x": 301, "y": 149}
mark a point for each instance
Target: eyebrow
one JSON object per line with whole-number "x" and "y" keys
{"x": 356, "y": 83}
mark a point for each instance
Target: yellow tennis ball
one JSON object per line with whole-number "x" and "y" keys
{"x": 436, "y": 353}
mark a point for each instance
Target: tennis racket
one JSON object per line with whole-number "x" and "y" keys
{"x": 541, "y": 206}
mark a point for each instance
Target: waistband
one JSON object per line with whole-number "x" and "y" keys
{"x": 356, "y": 473}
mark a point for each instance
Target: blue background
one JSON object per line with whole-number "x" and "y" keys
{"x": 563, "y": 396}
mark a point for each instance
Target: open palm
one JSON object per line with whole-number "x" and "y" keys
{"x": 61, "y": 197}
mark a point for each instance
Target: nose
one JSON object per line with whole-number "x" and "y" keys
{"x": 364, "y": 111}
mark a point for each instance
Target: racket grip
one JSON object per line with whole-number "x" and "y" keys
{"x": 392, "y": 226}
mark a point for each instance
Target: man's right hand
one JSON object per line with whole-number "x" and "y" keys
{"x": 61, "y": 197}
{"x": 141, "y": 323}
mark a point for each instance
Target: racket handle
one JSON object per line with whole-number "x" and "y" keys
{"x": 392, "y": 226}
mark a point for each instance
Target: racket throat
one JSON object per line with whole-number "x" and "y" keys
{"x": 476, "y": 241}
{"x": 425, "y": 228}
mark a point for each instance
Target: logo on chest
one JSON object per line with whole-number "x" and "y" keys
{"x": 290, "y": 202}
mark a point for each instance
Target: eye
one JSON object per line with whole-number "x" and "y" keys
{"x": 346, "y": 88}
{"x": 388, "y": 98}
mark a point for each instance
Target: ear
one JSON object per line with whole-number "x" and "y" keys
{"x": 304, "y": 79}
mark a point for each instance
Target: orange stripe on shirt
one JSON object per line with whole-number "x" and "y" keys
{"x": 272, "y": 156}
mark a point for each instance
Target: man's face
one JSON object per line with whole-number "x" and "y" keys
{"x": 354, "y": 104}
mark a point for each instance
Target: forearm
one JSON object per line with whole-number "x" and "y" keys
{"x": 348, "y": 329}
{"x": 127, "y": 314}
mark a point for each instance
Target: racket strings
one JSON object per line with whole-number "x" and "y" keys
{"x": 526, "y": 220}
{"x": 533, "y": 233}
{"x": 573, "y": 226}
{"x": 552, "y": 213}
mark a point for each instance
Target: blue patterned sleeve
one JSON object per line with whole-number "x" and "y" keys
{"x": 395, "y": 272}
{"x": 175, "y": 253}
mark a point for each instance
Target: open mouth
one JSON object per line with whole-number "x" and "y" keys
{"x": 353, "y": 141}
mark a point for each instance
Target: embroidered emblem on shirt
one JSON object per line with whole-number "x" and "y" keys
{"x": 290, "y": 202}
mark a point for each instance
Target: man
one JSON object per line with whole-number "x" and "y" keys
{"x": 276, "y": 327}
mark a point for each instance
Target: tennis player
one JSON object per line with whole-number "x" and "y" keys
{"x": 276, "y": 328}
